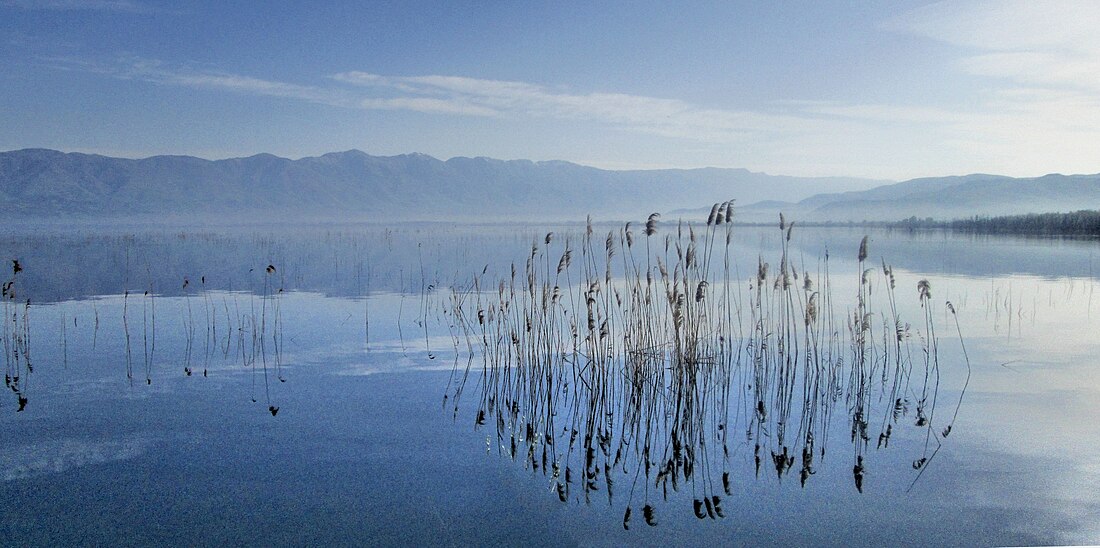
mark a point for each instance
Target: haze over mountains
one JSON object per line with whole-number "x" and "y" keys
{"x": 46, "y": 184}
{"x": 354, "y": 185}
{"x": 941, "y": 198}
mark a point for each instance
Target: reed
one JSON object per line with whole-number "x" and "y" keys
{"x": 636, "y": 363}
{"x": 16, "y": 338}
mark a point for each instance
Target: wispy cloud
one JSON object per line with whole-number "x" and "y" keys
{"x": 655, "y": 115}
{"x": 157, "y": 72}
{"x": 127, "y": 6}
{"x": 1038, "y": 65}
{"x": 1022, "y": 42}
{"x": 462, "y": 96}
{"x": 1023, "y": 25}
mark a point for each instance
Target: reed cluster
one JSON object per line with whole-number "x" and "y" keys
{"x": 256, "y": 328}
{"x": 635, "y": 362}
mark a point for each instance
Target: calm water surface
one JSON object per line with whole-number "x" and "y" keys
{"x": 352, "y": 339}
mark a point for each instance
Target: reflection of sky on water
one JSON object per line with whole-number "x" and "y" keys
{"x": 364, "y": 451}
{"x": 22, "y": 461}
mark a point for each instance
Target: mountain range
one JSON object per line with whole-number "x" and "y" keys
{"x": 46, "y": 185}
{"x": 940, "y": 198}
{"x": 353, "y": 185}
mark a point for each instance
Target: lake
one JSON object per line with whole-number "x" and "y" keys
{"x": 438, "y": 384}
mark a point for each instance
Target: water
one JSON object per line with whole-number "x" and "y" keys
{"x": 359, "y": 357}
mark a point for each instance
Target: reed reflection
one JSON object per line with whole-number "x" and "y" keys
{"x": 628, "y": 368}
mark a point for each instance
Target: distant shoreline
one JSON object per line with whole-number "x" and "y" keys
{"x": 1084, "y": 222}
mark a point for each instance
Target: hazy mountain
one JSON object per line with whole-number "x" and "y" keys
{"x": 47, "y": 184}
{"x": 939, "y": 198}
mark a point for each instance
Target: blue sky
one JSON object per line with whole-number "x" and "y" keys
{"x": 885, "y": 89}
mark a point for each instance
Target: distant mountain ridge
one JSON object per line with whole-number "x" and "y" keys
{"x": 942, "y": 198}
{"x": 47, "y": 184}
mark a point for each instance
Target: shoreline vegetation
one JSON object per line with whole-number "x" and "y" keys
{"x": 1085, "y": 222}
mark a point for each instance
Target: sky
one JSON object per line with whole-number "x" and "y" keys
{"x": 882, "y": 89}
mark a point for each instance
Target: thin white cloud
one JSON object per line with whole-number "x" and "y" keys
{"x": 1023, "y": 42}
{"x": 1019, "y": 25}
{"x": 427, "y": 105}
{"x": 462, "y": 96}
{"x": 658, "y": 116}
{"x": 1038, "y": 65}
{"x": 149, "y": 70}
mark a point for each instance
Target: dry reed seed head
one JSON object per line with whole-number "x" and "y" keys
{"x": 713, "y": 214}
{"x": 790, "y": 227}
{"x": 549, "y": 236}
{"x": 924, "y": 290}
{"x": 950, "y": 307}
{"x": 651, "y": 224}
{"x": 720, "y": 218}
{"x": 807, "y": 283}
{"x": 863, "y": 249}
{"x": 782, "y": 222}
{"x": 864, "y": 277}
{"x": 588, "y": 231}
{"x": 761, "y": 272}
{"x": 700, "y": 291}
{"x": 729, "y": 211}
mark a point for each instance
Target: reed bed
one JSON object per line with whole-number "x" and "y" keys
{"x": 630, "y": 367}
{"x": 257, "y": 329}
